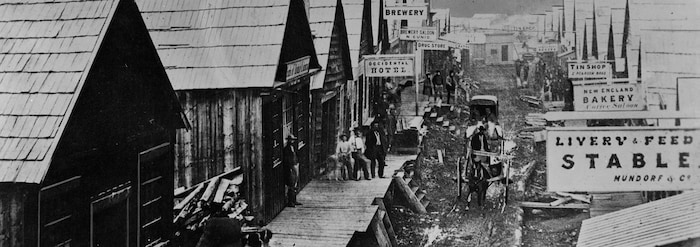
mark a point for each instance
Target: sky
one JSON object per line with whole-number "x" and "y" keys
{"x": 467, "y": 8}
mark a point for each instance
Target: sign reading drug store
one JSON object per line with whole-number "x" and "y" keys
{"x": 434, "y": 46}
{"x": 387, "y": 66}
{"x": 616, "y": 159}
{"x": 609, "y": 97}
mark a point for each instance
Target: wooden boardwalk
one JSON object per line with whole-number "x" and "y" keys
{"x": 333, "y": 211}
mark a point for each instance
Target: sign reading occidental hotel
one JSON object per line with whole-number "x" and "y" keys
{"x": 435, "y": 46}
{"x": 418, "y": 33}
{"x": 406, "y": 12}
{"x": 609, "y": 97}
{"x": 589, "y": 70}
{"x": 297, "y": 68}
{"x": 386, "y": 66}
{"x": 623, "y": 159}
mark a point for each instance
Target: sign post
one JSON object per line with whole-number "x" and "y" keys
{"x": 623, "y": 159}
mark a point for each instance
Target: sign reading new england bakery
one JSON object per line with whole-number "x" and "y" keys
{"x": 609, "y": 97}
{"x": 402, "y": 12}
{"x": 617, "y": 159}
{"x": 386, "y": 66}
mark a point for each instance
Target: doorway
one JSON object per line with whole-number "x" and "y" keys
{"x": 109, "y": 219}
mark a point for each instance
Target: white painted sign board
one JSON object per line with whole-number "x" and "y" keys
{"x": 406, "y": 12}
{"x": 387, "y": 66}
{"x": 418, "y": 33}
{"x": 434, "y": 46}
{"x": 589, "y": 70}
{"x": 609, "y": 97}
{"x": 623, "y": 159}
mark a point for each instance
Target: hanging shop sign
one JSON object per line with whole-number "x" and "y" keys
{"x": 387, "y": 66}
{"x": 418, "y": 33}
{"x": 406, "y": 12}
{"x": 609, "y": 97}
{"x": 589, "y": 70}
{"x": 297, "y": 68}
{"x": 623, "y": 159}
{"x": 547, "y": 48}
{"x": 433, "y": 46}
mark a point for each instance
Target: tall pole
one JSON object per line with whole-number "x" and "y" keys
{"x": 415, "y": 76}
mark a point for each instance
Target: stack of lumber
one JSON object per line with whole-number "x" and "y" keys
{"x": 535, "y": 119}
{"x": 212, "y": 196}
{"x": 531, "y": 101}
{"x": 562, "y": 200}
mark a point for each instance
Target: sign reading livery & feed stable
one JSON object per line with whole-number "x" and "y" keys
{"x": 406, "y": 12}
{"x": 433, "y": 46}
{"x": 387, "y": 66}
{"x": 418, "y": 33}
{"x": 609, "y": 97}
{"x": 589, "y": 70}
{"x": 623, "y": 159}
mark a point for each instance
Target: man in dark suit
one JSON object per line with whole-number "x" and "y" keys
{"x": 376, "y": 149}
{"x": 291, "y": 169}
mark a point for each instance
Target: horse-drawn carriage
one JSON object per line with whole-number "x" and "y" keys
{"x": 485, "y": 161}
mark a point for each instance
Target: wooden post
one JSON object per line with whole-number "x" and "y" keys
{"x": 379, "y": 230}
{"x": 413, "y": 202}
{"x": 390, "y": 230}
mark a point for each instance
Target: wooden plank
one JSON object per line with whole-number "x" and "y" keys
{"x": 440, "y": 158}
{"x": 546, "y": 205}
{"x": 413, "y": 201}
{"x": 560, "y": 201}
{"x": 583, "y": 198}
{"x": 221, "y": 190}
{"x": 210, "y": 190}
{"x": 379, "y": 230}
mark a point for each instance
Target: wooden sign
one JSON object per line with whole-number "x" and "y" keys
{"x": 386, "y": 66}
{"x": 406, "y": 12}
{"x": 418, "y": 33}
{"x": 433, "y": 46}
{"x": 623, "y": 159}
{"x": 547, "y": 48}
{"x": 589, "y": 70}
{"x": 609, "y": 97}
{"x": 298, "y": 68}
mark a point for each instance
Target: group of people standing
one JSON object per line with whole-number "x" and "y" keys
{"x": 356, "y": 153}
{"x": 434, "y": 85}
{"x": 363, "y": 153}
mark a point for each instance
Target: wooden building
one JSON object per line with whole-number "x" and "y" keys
{"x": 228, "y": 62}
{"x": 329, "y": 87}
{"x": 358, "y": 21}
{"x": 87, "y": 122}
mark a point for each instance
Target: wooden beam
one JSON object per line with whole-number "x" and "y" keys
{"x": 413, "y": 202}
{"x": 560, "y": 201}
{"x": 440, "y": 158}
{"x": 379, "y": 230}
{"x": 546, "y": 205}
{"x": 583, "y": 198}
{"x": 390, "y": 230}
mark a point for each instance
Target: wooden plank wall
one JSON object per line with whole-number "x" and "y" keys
{"x": 226, "y": 133}
{"x": 12, "y": 214}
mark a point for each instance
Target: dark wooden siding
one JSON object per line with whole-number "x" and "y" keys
{"x": 225, "y": 135}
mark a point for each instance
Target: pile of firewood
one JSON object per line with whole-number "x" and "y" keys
{"x": 218, "y": 195}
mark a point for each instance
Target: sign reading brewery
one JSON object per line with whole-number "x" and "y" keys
{"x": 608, "y": 97}
{"x": 385, "y": 66}
{"x": 402, "y": 12}
{"x": 297, "y": 68}
{"x": 418, "y": 33}
{"x": 589, "y": 70}
{"x": 623, "y": 159}
{"x": 435, "y": 46}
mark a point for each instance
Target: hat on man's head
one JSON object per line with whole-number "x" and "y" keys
{"x": 292, "y": 137}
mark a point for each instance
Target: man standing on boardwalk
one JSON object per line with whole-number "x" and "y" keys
{"x": 450, "y": 85}
{"x": 376, "y": 149}
{"x": 358, "y": 154}
{"x": 437, "y": 85}
{"x": 291, "y": 169}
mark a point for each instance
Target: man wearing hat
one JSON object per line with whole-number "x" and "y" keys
{"x": 291, "y": 169}
{"x": 344, "y": 152}
{"x": 358, "y": 154}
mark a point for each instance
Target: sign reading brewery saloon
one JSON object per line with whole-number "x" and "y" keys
{"x": 388, "y": 65}
{"x": 608, "y": 97}
{"x": 297, "y": 68}
{"x": 589, "y": 70}
{"x": 418, "y": 33}
{"x": 435, "y": 46}
{"x": 403, "y": 12}
{"x": 623, "y": 159}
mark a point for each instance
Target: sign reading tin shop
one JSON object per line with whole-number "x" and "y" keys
{"x": 589, "y": 70}
{"x": 608, "y": 97}
{"x": 434, "y": 46}
{"x": 617, "y": 159}
{"x": 406, "y": 12}
{"x": 418, "y": 33}
{"x": 385, "y": 66}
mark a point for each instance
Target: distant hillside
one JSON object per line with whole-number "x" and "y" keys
{"x": 467, "y": 8}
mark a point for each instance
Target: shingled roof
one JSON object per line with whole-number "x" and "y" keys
{"x": 322, "y": 15}
{"x": 353, "y": 22}
{"x": 46, "y": 50}
{"x": 211, "y": 44}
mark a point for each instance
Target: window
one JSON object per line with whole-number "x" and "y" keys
{"x": 57, "y": 212}
{"x": 494, "y": 52}
{"x": 151, "y": 187}
{"x": 504, "y": 53}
